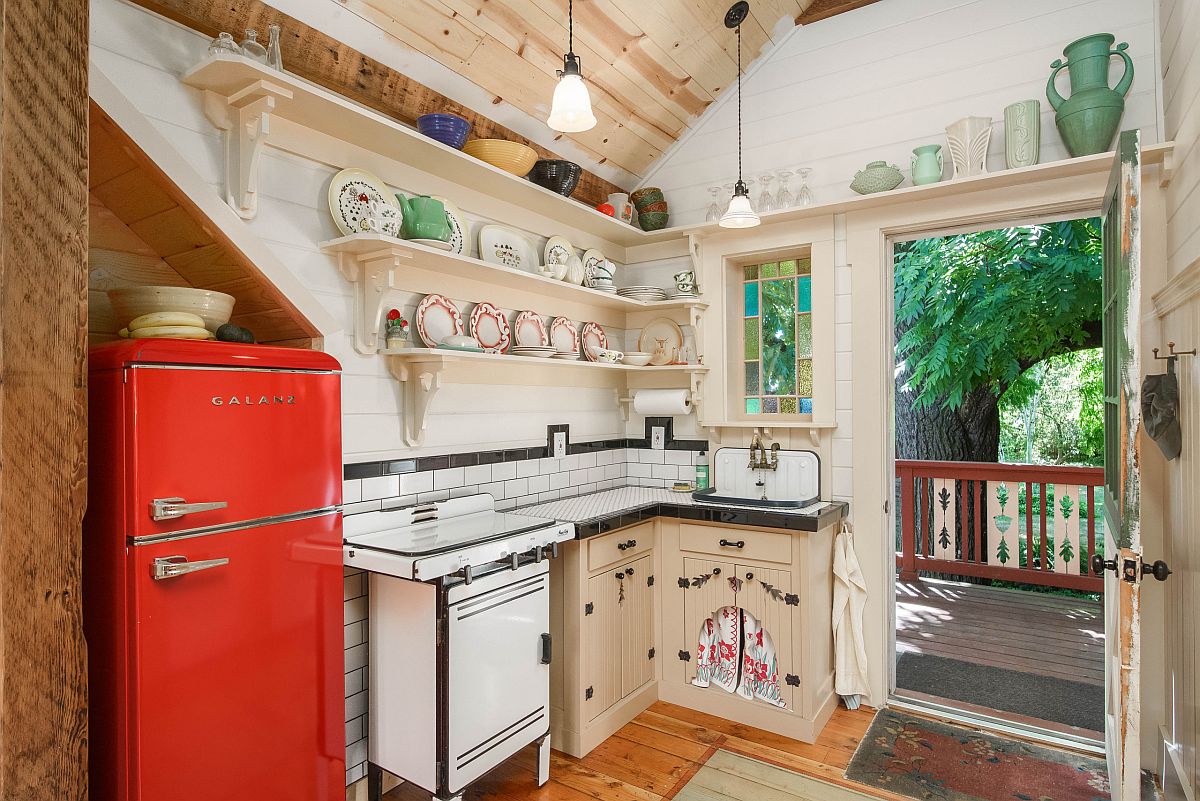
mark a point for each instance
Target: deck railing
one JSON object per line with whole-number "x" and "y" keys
{"x": 1034, "y": 524}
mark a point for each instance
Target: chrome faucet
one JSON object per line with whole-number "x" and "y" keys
{"x": 760, "y": 461}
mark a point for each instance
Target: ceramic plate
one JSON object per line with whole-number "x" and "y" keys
{"x": 564, "y": 336}
{"x": 558, "y": 250}
{"x": 530, "y": 330}
{"x": 437, "y": 318}
{"x": 436, "y": 244}
{"x": 489, "y": 326}
{"x": 663, "y": 339}
{"x": 593, "y": 337}
{"x": 351, "y": 193}
{"x": 501, "y": 245}
{"x": 458, "y": 227}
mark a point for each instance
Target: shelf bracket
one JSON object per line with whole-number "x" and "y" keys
{"x": 419, "y": 383}
{"x": 694, "y": 385}
{"x": 245, "y": 117}
{"x": 373, "y": 276}
{"x": 814, "y": 434}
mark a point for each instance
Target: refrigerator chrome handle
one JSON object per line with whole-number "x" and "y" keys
{"x": 171, "y": 508}
{"x": 166, "y": 567}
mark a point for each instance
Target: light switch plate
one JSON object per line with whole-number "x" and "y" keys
{"x": 560, "y": 444}
{"x": 658, "y": 438}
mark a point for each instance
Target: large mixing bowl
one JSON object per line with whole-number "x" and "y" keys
{"x": 131, "y": 302}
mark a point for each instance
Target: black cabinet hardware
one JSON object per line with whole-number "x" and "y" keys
{"x": 629, "y": 571}
{"x": 650, "y": 581}
{"x": 650, "y": 654}
{"x": 684, "y": 656}
{"x": 547, "y": 649}
{"x": 1159, "y": 570}
{"x": 793, "y": 680}
{"x": 749, "y": 577}
{"x": 631, "y": 543}
{"x": 730, "y": 544}
{"x": 588, "y": 608}
{"x": 683, "y": 583}
{"x": 1100, "y": 564}
{"x": 716, "y": 571}
{"x": 587, "y": 694}
{"x": 791, "y": 600}
{"x": 620, "y": 575}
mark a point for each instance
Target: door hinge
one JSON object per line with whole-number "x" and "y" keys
{"x": 887, "y": 506}
{"x": 650, "y": 654}
{"x": 792, "y": 679}
{"x": 684, "y": 656}
{"x": 588, "y": 608}
{"x": 791, "y": 599}
{"x": 683, "y": 583}
{"x": 650, "y": 581}
{"x": 588, "y": 693}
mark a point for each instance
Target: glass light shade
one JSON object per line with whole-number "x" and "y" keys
{"x": 740, "y": 213}
{"x": 571, "y": 110}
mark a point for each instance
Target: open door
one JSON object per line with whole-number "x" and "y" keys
{"x": 1122, "y": 559}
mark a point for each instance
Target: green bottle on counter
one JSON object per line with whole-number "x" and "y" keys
{"x": 702, "y": 471}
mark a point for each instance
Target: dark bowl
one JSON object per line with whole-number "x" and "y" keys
{"x": 448, "y": 129}
{"x": 556, "y": 175}
{"x": 652, "y": 220}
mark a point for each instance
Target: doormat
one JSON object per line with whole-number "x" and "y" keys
{"x": 1072, "y": 703}
{"x": 728, "y": 776}
{"x": 925, "y": 759}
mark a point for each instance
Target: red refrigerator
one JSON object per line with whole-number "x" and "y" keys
{"x": 213, "y": 573}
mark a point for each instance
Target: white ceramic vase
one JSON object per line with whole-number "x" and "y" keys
{"x": 968, "y": 144}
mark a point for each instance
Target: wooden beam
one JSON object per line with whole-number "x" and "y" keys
{"x": 318, "y": 57}
{"x": 43, "y": 400}
{"x": 823, "y": 9}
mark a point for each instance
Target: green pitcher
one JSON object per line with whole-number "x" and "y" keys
{"x": 1089, "y": 119}
{"x": 424, "y": 218}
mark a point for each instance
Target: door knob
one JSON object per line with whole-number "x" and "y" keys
{"x": 1100, "y": 564}
{"x": 1159, "y": 570}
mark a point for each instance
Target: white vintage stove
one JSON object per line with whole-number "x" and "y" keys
{"x": 459, "y": 639}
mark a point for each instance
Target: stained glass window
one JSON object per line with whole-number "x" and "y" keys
{"x": 778, "y": 337}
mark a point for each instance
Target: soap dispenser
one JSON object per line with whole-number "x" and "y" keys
{"x": 702, "y": 471}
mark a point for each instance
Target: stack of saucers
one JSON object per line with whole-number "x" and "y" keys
{"x": 540, "y": 352}
{"x": 643, "y": 293}
{"x": 682, "y": 295}
{"x": 603, "y": 286}
{"x": 574, "y": 356}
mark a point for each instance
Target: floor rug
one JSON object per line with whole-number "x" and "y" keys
{"x": 925, "y": 759}
{"x": 1072, "y": 703}
{"x": 727, "y": 776}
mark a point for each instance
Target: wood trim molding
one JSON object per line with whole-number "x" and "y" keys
{"x": 43, "y": 398}
{"x": 823, "y": 9}
{"x": 1178, "y": 291}
{"x": 318, "y": 57}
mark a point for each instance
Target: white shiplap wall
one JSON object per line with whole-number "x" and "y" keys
{"x": 144, "y": 55}
{"x": 1180, "y": 21}
{"x": 874, "y": 83}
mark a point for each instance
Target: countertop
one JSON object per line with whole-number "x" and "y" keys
{"x": 613, "y": 509}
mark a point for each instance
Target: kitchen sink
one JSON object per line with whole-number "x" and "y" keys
{"x": 794, "y": 484}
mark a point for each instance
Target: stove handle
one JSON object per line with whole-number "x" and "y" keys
{"x": 171, "y": 508}
{"x": 547, "y": 649}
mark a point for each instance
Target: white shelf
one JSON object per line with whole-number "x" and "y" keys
{"x": 238, "y": 82}
{"x": 376, "y": 263}
{"x": 509, "y": 360}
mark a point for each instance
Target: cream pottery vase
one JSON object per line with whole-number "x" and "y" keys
{"x": 968, "y": 142}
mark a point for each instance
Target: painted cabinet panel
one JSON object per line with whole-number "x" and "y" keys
{"x": 765, "y": 595}
{"x": 708, "y": 590}
{"x": 602, "y": 635}
{"x": 637, "y": 625}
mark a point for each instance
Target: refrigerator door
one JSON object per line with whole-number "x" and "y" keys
{"x": 216, "y": 446}
{"x": 237, "y": 684}
{"x": 499, "y": 673}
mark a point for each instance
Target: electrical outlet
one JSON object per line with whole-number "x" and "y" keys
{"x": 658, "y": 437}
{"x": 560, "y": 444}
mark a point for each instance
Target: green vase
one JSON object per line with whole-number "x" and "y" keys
{"x": 925, "y": 166}
{"x": 1088, "y": 120}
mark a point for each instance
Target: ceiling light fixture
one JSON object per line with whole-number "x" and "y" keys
{"x": 740, "y": 213}
{"x": 571, "y": 110}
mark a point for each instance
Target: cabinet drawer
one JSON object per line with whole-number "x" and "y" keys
{"x": 769, "y": 546}
{"x": 610, "y": 548}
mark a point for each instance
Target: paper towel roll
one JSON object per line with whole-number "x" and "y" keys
{"x": 662, "y": 401}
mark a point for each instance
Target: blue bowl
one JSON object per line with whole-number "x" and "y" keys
{"x": 448, "y": 129}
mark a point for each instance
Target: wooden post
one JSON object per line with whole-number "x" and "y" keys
{"x": 43, "y": 402}
{"x": 908, "y": 527}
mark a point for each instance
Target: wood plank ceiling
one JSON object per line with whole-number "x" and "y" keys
{"x": 652, "y": 67}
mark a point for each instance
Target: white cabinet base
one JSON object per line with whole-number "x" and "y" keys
{"x": 731, "y": 706}
{"x": 578, "y": 742}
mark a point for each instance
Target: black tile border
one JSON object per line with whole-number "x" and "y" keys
{"x": 469, "y": 459}
{"x": 708, "y": 514}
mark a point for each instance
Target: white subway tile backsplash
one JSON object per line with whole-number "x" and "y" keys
{"x": 587, "y": 459}
{"x": 351, "y": 490}
{"x": 539, "y": 483}
{"x": 843, "y": 481}
{"x": 477, "y": 474}
{"x": 355, "y": 681}
{"x": 356, "y": 706}
{"x": 449, "y": 478}
{"x": 356, "y": 657}
{"x": 578, "y": 477}
{"x": 354, "y": 634}
{"x": 638, "y": 470}
{"x": 595, "y": 473}
{"x": 503, "y": 471}
{"x": 678, "y": 457}
{"x": 516, "y": 487}
{"x": 606, "y": 457}
{"x": 411, "y": 483}
{"x": 663, "y": 471}
{"x": 462, "y": 492}
{"x": 612, "y": 471}
{"x": 361, "y": 506}
{"x": 548, "y": 466}
{"x": 649, "y": 456}
{"x": 495, "y": 489}
{"x": 433, "y": 497}
{"x": 560, "y": 481}
{"x": 527, "y": 468}
{"x": 842, "y": 337}
{"x": 380, "y": 487}
{"x": 507, "y": 504}
{"x": 552, "y": 495}
{"x": 354, "y": 729}
{"x": 354, "y": 585}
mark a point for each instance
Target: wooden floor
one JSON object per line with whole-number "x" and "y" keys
{"x": 1050, "y": 635}
{"x": 652, "y": 758}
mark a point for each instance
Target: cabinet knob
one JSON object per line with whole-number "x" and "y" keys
{"x": 716, "y": 571}
{"x": 749, "y": 577}
{"x": 631, "y": 543}
{"x": 620, "y": 575}
{"x": 629, "y": 571}
{"x": 621, "y": 546}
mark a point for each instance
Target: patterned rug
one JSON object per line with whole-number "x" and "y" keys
{"x": 925, "y": 759}
{"x": 729, "y": 776}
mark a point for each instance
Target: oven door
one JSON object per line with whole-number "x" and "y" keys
{"x": 498, "y": 673}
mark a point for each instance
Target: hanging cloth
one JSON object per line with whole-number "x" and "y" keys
{"x": 1160, "y": 411}
{"x": 849, "y": 601}
{"x": 737, "y": 654}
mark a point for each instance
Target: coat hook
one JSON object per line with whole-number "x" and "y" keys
{"x": 1173, "y": 353}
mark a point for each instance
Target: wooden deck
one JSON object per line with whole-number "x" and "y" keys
{"x": 1050, "y": 635}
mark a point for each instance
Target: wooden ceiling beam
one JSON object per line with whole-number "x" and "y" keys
{"x": 317, "y": 57}
{"x": 823, "y": 9}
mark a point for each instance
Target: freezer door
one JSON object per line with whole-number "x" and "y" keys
{"x": 214, "y": 446}
{"x": 499, "y": 675}
{"x": 237, "y": 683}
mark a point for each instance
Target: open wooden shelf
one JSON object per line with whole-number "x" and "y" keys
{"x": 509, "y": 360}
{"x": 376, "y": 263}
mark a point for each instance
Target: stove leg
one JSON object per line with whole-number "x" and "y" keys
{"x": 374, "y": 782}
{"x": 544, "y": 760}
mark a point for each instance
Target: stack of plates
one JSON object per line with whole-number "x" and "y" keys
{"x": 682, "y": 296}
{"x": 530, "y": 350}
{"x": 574, "y": 356}
{"x": 644, "y": 293}
{"x": 606, "y": 286}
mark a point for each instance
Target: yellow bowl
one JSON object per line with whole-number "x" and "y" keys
{"x": 509, "y": 156}
{"x": 131, "y": 302}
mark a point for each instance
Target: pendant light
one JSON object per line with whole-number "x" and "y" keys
{"x": 740, "y": 213}
{"x": 571, "y": 110}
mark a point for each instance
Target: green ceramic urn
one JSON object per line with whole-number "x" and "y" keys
{"x": 1088, "y": 120}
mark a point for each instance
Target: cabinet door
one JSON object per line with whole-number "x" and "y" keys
{"x": 764, "y": 594}
{"x": 637, "y": 625}
{"x": 602, "y": 634}
{"x": 708, "y": 590}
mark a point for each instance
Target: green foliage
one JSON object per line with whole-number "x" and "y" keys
{"x": 975, "y": 309}
{"x": 1054, "y": 413}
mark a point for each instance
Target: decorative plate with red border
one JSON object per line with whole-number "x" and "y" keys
{"x": 438, "y": 318}
{"x": 530, "y": 330}
{"x": 489, "y": 326}
{"x": 593, "y": 337}
{"x": 564, "y": 336}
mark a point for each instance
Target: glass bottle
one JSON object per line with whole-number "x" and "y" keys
{"x": 251, "y": 48}
{"x": 274, "y": 55}
{"x": 223, "y": 45}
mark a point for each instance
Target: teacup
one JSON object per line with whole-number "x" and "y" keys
{"x": 605, "y": 355}
{"x": 685, "y": 281}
